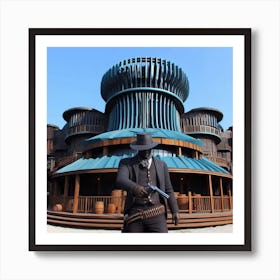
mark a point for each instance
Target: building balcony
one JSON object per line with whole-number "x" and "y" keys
{"x": 203, "y": 129}
{"x": 84, "y": 129}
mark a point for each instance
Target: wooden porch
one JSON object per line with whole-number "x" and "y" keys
{"x": 105, "y": 212}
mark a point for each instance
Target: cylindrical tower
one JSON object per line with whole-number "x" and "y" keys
{"x": 203, "y": 123}
{"x": 82, "y": 123}
{"x": 144, "y": 93}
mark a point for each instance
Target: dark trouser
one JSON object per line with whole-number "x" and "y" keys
{"x": 154, "y": 224}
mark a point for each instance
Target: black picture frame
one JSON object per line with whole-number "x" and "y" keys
{"x": 33, "y": 35}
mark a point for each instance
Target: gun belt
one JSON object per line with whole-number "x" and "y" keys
{"x": 146, "y": 214}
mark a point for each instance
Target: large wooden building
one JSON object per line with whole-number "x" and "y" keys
{"x": 142, "y": 95}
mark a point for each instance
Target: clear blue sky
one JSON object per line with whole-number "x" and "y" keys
{"x": 74, "y": 76}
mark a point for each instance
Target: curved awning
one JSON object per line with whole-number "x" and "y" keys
{"x": 176, "y": 163}
{"x": 155, "y": 132}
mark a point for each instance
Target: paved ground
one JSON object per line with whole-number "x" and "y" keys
{"x": 217, "y": 229}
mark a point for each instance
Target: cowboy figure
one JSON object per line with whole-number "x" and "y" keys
{"x": 146, "y": 210}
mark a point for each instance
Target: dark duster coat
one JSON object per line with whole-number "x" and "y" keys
{"x": 127, "y": 177}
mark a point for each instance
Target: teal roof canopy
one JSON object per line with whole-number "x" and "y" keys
{"x": 155, "y": 132}
{"x": 83, "y": 164}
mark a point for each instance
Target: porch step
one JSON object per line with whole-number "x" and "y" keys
{"x": 201, "y": 220}
{"x": 85, "y": 215}
{"x": 114, "y": 221}
{"x": 95, "y": 224}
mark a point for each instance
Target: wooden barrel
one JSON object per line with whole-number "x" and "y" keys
{"x": 111, "y": 208}
{"x": 99, "y": 207}
{"x": 116, "y": 193}
{"x": 57, "y": 207}
{"x": 117, "y": 199}
{"x": 182, "y": 201}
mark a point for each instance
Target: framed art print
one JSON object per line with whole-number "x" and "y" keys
{"x": 93, "y": 91}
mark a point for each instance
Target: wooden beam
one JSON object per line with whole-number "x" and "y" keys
{"x": 179, "y": 151}
{"x": 98, "y": 186}
{"x": 105, "y": 150}
{"x": 53, "y": 193}
{"x": 88, "y": 154}
{"x": 211, "y": 193}
{"x": 66, "y": 186}
{"x": 222, "y": 193}
{"x": 56, "y": 186}
{"x": 190, "y": 202}
{"x": 230, "y": 199}
{"x": 76, "y": 194}
{"x": 181, "y": 185}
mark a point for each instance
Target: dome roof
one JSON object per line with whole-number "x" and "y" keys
{"x": 70, "y": 112}
{"x": 215, "y": 112}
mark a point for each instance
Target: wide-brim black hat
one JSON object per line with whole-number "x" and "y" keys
{"x": 144, "y": 141}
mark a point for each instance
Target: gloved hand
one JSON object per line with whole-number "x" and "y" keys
{"x": 175, "y": 218}
{"x": 139, "y": 191}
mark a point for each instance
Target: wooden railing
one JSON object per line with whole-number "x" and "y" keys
{"x": 115, "y": 204}
{"x": 201, "y": 204}
{"x": 84, "y": 128}
{"x": 201, "y": 128}
{"x": 88, "y": 204}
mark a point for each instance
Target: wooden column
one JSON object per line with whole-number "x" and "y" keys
{"x": 181, "y": 185}
{"x": 105, "y": 150}
{"x": 211, "y": 193}
{"x": 179, "y": 151}
{"x": 222, "y": 194}
{"x": 190, "y": 203}
{"x": 55, "y": 191}
{"x": 98, "y": 186}
{"x": 76, "y": 194}
{"x": 88, "y": 155}
{"x": 230, "y": 199}
{"x": 66, "y": 186}
{"x": 53, "y": 194}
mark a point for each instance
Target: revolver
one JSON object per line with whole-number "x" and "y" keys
{"x": 155, "y": 188}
